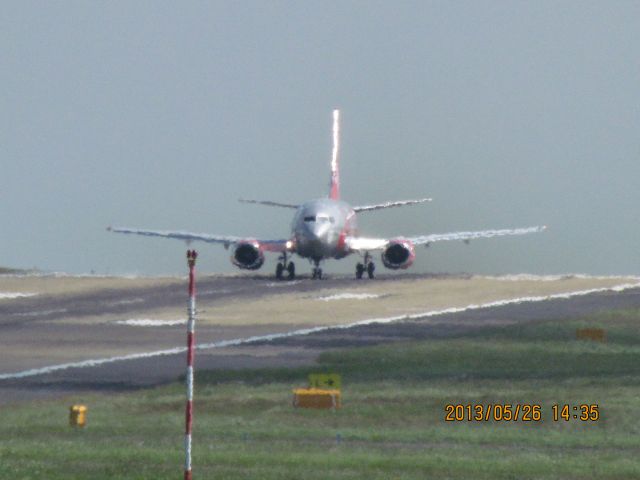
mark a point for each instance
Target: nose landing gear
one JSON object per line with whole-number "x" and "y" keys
{"x": 316, "y": 273}
{"x": 367, "y": 266}
{"x": 284, "y": 265}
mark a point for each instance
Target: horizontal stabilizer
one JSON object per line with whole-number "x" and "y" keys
{"x": 268, "y": 203}
{"x": 399, "y": 203}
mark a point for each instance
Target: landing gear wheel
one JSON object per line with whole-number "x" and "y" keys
{"x": 317, "y": 271}
{"x": 370, "y": 269}
{"x": 359, "y": 271}
{"x": 279, "y": 271}
{"x": 367, "y": 266}
{"x": 283, "y": 265}
{"x": 291, "y": 268}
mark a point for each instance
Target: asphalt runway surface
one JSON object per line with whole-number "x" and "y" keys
{"x": 33, "y": 327}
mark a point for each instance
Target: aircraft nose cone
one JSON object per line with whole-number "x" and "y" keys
{"x": 315, "y": 240}
{"x": 316, "y": 231}
{"x": 320, "y": 233}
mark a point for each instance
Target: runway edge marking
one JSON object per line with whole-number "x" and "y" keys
{"x": 307, "y": 331}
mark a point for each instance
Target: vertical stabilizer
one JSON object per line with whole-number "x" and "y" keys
{"x": 334, "y": 192}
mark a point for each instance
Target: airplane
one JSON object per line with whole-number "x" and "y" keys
{"x": 326, "y": 228}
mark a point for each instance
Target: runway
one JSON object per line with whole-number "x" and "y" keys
{"x": 75, "y": 339}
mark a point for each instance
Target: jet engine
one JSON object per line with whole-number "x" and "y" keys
{"x": 247, "y": 255}
{"x": 398, "y": 254}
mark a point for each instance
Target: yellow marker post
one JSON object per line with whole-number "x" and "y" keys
{"x": 77, "y": 415}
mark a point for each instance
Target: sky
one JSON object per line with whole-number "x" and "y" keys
{"x": 160, "y": 115}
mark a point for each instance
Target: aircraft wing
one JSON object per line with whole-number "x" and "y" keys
{"x": 226, "y": 240}
{"x": 366, "y": 244}
{"x": 363, "y": 244}
{"x": 399, "y": 203}
{"x": 466, "y": 236}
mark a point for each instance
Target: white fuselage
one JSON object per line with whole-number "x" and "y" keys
{"x": 319, "y": 228}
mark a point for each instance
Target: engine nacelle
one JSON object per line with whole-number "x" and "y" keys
{"x": 247, "y": 255}
{"x": 398, "y": 254}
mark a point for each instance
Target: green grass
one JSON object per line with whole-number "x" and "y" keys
{"x": 12, "y": 271}
{"x": 391, "y": 425}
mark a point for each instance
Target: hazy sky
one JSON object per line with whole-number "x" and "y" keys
{"x": 161, "y": 114}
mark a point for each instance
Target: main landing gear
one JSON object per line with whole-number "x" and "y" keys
{"x": 284, "y": 265}
{"x": 367, "y": 266}
{"x": 316, "y": 273}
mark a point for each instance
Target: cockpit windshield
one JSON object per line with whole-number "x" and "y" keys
{"x": 319, "y": 218}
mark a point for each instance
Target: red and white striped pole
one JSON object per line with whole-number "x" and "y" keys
{"x": 191, "y": 261}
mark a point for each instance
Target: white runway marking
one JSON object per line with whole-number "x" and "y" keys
{"x": 348, "y": 296}
{"x": 519, "y": 277}
{"x": 283, "y": 284}
{"x": 307, "y": 331}
{"x": 39, "y": 313}
{"x": 216, "y": 291}
{"x": 151, "y": 322}
{"x": 9, "y": 295}
{"x": 131, "y": 301}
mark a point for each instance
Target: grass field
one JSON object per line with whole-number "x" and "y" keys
{"x": 10, "y": 271}
{"x": 391, "y": 425}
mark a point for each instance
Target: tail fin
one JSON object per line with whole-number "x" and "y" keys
{"x": 334, "y": 193}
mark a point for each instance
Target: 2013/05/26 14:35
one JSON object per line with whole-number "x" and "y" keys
{"x": 525, "y": 412}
